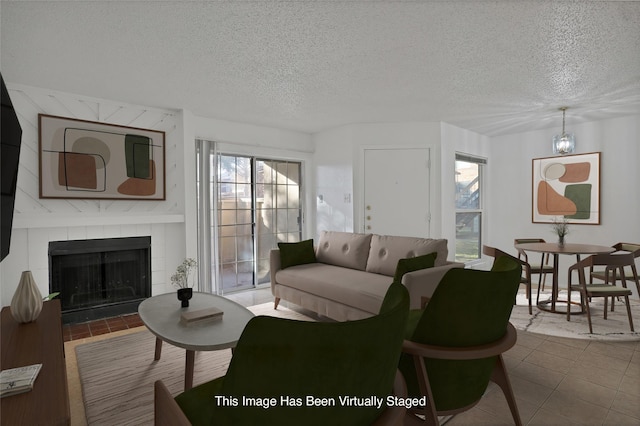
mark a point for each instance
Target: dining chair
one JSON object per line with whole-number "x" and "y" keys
{"x": 526, "y": 269}
{"x": 630, "y": 273}
{"x": 281, "y": 362}
{"x": 454, "y": 346}
{"x": 542, "y": 269}
{"x": 606, "y": 290}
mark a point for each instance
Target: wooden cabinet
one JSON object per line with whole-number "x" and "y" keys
{"x": 37, "y": 342}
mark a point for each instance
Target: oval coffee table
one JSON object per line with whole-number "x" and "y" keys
{"x": 161, "y": 314}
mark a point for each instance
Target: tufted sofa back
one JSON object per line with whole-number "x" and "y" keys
{"x": 386, "y": 251}
{"x": 374, "y": 253}
{"x": 344, "y": 249}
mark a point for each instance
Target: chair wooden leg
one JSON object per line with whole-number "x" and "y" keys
{"x": 430, "y": 412}
{"x": 529, "y": 296}
{"x": 275, "y": 303}
{"x": 541, "y": 280}
{"x": 626, "y": 299}
{"x": 499, "y": 376}
{"x": 538, "y": 295}
{"x": 606, "y": 301}
{"x": 586, "y": 304}
{"x": 634, "y": 273}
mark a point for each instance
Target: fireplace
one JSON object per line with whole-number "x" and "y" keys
{"x": 100, "y": 278}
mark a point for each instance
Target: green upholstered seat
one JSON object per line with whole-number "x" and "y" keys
{"x": 291, "y": 360}
{"x": 469, "y": 310}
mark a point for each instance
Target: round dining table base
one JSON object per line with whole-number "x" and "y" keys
{"x": 561, "y": 307}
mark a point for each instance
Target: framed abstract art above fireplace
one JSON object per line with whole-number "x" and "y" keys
{"x": 92, "y": 160}
{"x": 567, "y": 187}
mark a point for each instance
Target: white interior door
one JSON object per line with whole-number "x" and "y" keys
{"x": 396, "y": 192}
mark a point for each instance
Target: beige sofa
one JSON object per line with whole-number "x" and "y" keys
{"x": 353, "y": 271}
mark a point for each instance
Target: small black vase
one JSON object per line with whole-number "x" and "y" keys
{"x": 184, "y": 294}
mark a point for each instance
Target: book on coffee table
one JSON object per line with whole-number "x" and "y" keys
{"x": 200, "y": 315}
{"x": 18, "y": 380}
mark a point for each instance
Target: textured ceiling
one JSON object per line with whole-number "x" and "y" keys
{"x": 495, "y": 67}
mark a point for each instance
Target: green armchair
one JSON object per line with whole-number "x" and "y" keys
{"x": 279, "y": 364}
{"x": 454, "y": 345}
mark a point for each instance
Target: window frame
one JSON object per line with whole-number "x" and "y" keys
{"x": 479, "y": 210}
{"x": 210, "y": 208}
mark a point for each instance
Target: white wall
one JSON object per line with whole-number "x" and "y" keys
{"x": 457, "y": 140}
{"x": 340, "y": 176}
{"x": 507, "y": 182}
{"x": 38, "y": 221}
{"x": 332, "y": 162}
{"x": 512, "y": 156}
{"x": 334, "y": 165}
{"x": 171, "y": 223}
{"x": 510, "y": 177}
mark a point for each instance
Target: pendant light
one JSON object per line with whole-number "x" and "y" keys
{"x": 564, "y": 143}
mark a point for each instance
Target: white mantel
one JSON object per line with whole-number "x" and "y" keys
{"x": 60, "y": 220}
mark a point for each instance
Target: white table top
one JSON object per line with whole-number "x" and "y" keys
{"x": 161, "y": 315}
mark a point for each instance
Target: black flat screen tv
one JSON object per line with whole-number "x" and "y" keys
{"x": 10, "y": 140}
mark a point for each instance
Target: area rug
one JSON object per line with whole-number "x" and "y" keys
{"x": 614, "y": 328}
{"x": 117, "y": 374}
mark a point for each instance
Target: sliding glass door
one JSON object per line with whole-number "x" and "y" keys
{"x": 256, "y": 204}
{"x": 236, "y": 222}
{"x": 278, "y": 209}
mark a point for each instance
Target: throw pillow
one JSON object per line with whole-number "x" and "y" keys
{"x": 411, "y": 264}
{"x": 292, "y": 254}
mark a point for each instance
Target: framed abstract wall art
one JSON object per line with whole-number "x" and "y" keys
{"x": 91, "y": 160}
{"x": 567, "y": 187}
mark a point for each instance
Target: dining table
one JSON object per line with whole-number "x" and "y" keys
{"x": 556, "y": 250}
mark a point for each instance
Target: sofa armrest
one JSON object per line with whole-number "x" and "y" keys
{"x": 423, "y": 283}
{"x": 274, "y": 266}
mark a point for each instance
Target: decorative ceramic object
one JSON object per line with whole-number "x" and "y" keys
{"x": 26, "y": 304}
{"x": 184, "y": 294}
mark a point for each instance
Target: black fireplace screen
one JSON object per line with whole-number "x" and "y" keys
{"x": 100, "y": 272}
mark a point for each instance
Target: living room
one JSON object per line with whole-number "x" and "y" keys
{"x": 332, "y": 157}
{"x": 498, "y": 99}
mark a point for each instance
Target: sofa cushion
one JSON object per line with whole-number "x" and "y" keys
{"x": 344, "y": 249}
{"x": 300, "y": 253}
{"x": 387, "y": 250}
{"x": 350, "y": 287}
{"x": 411, "y": 264}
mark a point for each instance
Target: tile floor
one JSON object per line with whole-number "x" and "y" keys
{"x": 557, "y": 381}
